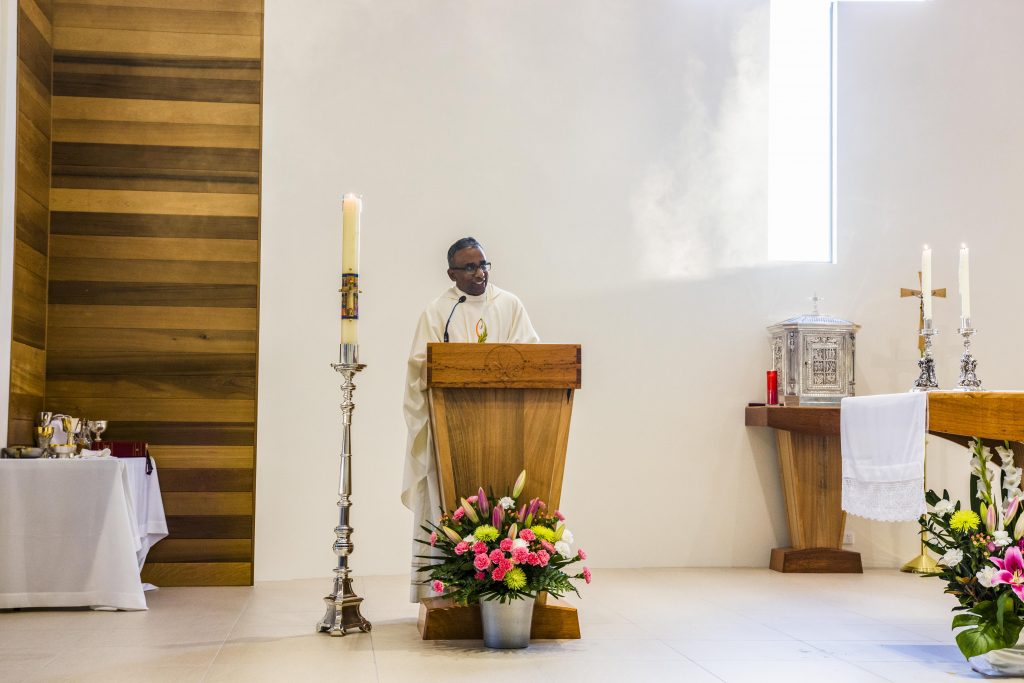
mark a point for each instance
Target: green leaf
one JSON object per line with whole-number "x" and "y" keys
{"x": 977, "y": 641}
{"x": 961, "y": 620}
{"x": 1005, "y": 601}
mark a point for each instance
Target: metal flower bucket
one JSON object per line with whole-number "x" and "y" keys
{"x": 507, "y": 625}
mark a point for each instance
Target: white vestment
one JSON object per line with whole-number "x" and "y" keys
{"x": 496, "y": 314}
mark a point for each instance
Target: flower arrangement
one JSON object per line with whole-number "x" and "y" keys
{"x": 499, "y": 549}
{"x": 980, "y": 550}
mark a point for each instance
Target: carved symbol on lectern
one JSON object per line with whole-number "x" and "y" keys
{"x": 506, "y": 362}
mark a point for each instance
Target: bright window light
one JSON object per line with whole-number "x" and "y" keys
{"x": 801, "y": 183}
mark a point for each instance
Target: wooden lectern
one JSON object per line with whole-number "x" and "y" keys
{"x": 495, "y": 410}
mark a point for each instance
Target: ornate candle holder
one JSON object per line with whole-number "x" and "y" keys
{"x": 926, "y": 381}
{"x": 343, "y": 603}
{"x": 968, "y": 364}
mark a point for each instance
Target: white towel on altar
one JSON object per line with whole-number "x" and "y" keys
{"x": 883, "y": 455}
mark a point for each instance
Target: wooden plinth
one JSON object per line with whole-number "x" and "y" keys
{"x": 815, "y": 561}
{"x": 811, "y": 467}
{"x": 441, "y": 619}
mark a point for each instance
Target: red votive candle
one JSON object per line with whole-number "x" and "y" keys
{"x": 773, "y": 388}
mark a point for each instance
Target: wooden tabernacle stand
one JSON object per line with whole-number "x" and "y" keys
{"x": 495, "y": 410}
{"x": 810, "y": 463}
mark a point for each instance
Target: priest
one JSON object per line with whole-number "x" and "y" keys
{"x": 471, "y": 311}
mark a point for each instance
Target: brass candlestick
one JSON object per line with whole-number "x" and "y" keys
{"x": 923, "y": 563}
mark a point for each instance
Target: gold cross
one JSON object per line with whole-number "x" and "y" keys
{"x": 904, "y": 292}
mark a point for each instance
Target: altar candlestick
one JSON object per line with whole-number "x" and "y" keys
{"x": 926, "y": 282}
{"x": 351, "y": 207}
{"x": 965, "y": 284}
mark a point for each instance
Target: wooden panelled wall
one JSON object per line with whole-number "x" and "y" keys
{"x": 154, "y": 256}
{"x": 32, "y": 217}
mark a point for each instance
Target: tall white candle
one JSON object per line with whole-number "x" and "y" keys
{"x": 926, "y": 281}
{"x": 351, "y": 208}
{"x": 965, "y": 284}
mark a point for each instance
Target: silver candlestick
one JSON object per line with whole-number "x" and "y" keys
{"x": 968, "y": 364}
{"x": 343, "y": 603}
{"x": 926, "y": 381}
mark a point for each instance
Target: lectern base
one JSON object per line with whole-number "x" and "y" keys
{"x": 442, "y": 619}
{"x": 816, "y": 561}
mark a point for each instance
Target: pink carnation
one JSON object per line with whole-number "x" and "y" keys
{"x": 461, "y": 547}
{"x": 582, "y": 555}
{"x": 519, "y": 555}
{"x": 480, "y": 576}
{"x": 586, "y": 575}
{"x": 497, "y": 556}
{"x": 433, "y": 537}
{"x": 533, "y": 558}
{"x": 479, "y": 547}
{"x": 506, "y": 544}
{"x": 498, "y": 574}
{"x": 458, "y": 514}
{"x": 472, "y": 499}
{"x": 481, "y": 562}
{"x": 437, "y": 586}
{"x": 527, "y": 535}
{"x": 559, "y": 516}
{"x": 547, "y": 546}
{"x": 543, "y": 556}
{"x": 504, "y": 565}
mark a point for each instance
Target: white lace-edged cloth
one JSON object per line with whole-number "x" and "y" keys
{"x": 883, "y": 455}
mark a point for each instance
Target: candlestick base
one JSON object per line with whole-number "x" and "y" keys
{"x": 922, "y": 564}
{"x": 968, "y": 364}
{"x": 343, "y": 610}
{"x": 926, "y": 380}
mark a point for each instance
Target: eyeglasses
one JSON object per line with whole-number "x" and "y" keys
{"x": 471, "y": 268}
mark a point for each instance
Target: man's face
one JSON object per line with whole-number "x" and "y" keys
{"x": 472, "y": 282}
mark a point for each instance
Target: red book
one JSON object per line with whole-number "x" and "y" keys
{"x": 123, "y": 449}
{"x": 126, "y": 449}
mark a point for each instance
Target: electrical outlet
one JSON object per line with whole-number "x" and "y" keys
{"x": 847, "y": 538}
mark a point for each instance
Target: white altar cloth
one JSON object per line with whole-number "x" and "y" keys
{"x": 75, "y": 532}
{"x": 882, "y": 440}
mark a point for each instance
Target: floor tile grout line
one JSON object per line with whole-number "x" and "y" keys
{"x": 241, "y": 611}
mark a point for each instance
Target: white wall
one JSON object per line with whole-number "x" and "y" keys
{"x": 611, "y": 156}
{"x": 8, "y": 109}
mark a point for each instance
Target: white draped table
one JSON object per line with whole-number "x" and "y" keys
{"x": 76, "y": 532}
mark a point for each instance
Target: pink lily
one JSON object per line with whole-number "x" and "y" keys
{"x": 1011, "y": 511}
{"x": 482, "y": 502}
{"x": 1011, "y": 570}
{"x": 497, "y": 516}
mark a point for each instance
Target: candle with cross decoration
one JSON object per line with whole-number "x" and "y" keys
{"x": 904, "y": 292}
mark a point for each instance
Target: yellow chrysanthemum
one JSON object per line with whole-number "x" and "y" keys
{"x": 486, "y": 533}
{"x": 965, "y": 520}
{"x": 543, "y": 533}
{"x": 515, "y": 579}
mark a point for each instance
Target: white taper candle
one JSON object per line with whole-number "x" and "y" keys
{"x": 926, "y": 281}
{"x": 965, "y": 283}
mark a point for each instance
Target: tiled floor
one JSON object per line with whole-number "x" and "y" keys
{"x": 693, "y": 625}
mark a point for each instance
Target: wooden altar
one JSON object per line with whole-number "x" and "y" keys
{"x": 810, "y": 465}
{"x": 495, "y": 410}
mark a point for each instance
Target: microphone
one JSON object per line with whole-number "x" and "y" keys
{"x": 462, "y": 299}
